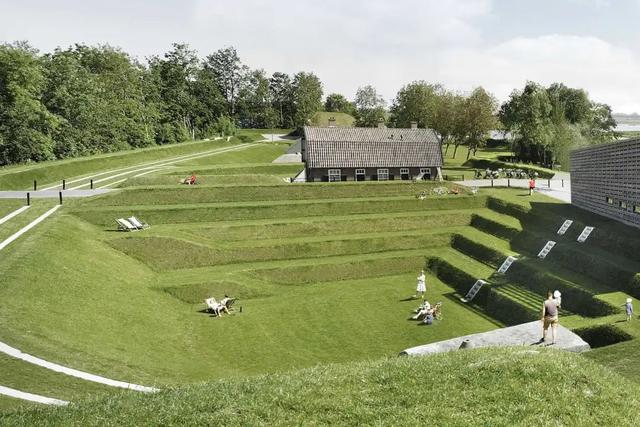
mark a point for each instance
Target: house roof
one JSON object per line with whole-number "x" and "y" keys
{"x": 328, "y": 147}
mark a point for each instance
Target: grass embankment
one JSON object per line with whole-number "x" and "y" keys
{"x": 321, "y": 118}
{"x": 496, "y": 387}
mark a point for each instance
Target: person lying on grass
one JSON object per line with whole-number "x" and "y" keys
{"x": 190, "y": 180}
{"x": 422, "y": 311}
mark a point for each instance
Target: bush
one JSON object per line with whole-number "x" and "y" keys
{"x": 506, "y": 310}
{"x": 477, "y": 250}
{"x": 458, "y": 279}
{"x": 602, "y": 335}
{"x": 494, "y": 228}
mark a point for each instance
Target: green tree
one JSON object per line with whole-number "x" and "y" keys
{"x": 336, "y": 103}
{"x": 26, "y": 127}
{"x": 480, "y": 109}
{"x": 307, "y": 97}
{"x": 254, "y": 107}
{"x": 417, "y": 101}
{"x": 229, "y": 74}
{"x": 370, "y": 107}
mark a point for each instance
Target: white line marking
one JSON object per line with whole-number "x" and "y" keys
{"x": 150, "y": 165}
{"x": 146, "y": 173}
{"x": 12, "y": 392}
{"x": 111, "y": 183}
{"x": 27, "y": 227}
{"x": 14, "y": 352}
{"x": 12, "y": 214}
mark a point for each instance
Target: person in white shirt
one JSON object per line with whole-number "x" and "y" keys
{"x": 421, "y": 287}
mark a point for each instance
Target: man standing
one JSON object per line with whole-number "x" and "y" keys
{"x": 549, "y": 318}
{"x": 532, "y": 185}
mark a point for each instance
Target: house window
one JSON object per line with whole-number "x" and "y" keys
{"x": 426, "y": 173}
{"x": 334, "y": 175}
{"x": 636, "y": 208}
{"x": 360, "y": 174}
{"x": 383, "y": 174}
{"x": 404, "y": 171}
{"x": 622, "y": 204}
{"x": 610, "y": 200}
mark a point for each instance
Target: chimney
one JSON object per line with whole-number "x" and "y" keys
{"x": 332, "y": 122}
{"x": 414, "y": 125}
{"x": 381, "y": 123}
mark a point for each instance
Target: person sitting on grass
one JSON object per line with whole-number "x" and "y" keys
{"x": 422, "y": 311}
{"x": 190, "y": 180}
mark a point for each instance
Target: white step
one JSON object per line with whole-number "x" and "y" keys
{"x": 506, "y": 264}
{"x": 547, "y": 248}
{"x": 565, "y": 226}
{"x": 585, "y": 234}
{"x": 473, "y": 291}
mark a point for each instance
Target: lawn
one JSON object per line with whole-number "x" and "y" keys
{"x": 323, "y": 273}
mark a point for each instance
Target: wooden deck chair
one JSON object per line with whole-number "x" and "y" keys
{"x": 437, "y": 311}
{"x": 213, "y": 306}
{"x": 124, "y": 225}
{"x": 137, "y": 223}
{"x": 230, "y": 303}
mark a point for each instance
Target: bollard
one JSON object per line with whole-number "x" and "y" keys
{"x": 549, "y": 182}
{"x": 509, "y": 182}
{"x": 64, "y": 184}
{"x": 466, "y": 344}
{"x": 91, "y": 185}
{"x": 563, "y": 183}
{"x": 28, "y": 199}
{"x": 240, "y": 309}
{"x": 60, "y": 196}
{"x": 35, "y": 185}
{"x": 491, "y": 182}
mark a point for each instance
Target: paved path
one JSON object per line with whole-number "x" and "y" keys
{"x": 557, "y": 188}
{"x": 14, "y": 352}
{"x": 12, "y": 392}
{"x": 525, "y": 334}
{"x": 51, "y": 194}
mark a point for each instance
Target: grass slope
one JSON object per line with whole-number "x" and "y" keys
{"x": 497, "y": 387}
{"x": 321, "y": 118}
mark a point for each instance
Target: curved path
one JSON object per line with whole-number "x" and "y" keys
{"x": 14, "y": 352}
{"x": 12, "y": 392}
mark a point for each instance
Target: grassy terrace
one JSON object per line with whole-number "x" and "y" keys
{"x": 324, "y": 274}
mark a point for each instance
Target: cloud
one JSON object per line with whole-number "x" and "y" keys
{"x": 608, "y": 72}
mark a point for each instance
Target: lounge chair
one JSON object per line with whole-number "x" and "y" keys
{"x": 213, "y": 306}
{"x": 137, "y": 223}
{"x": 124, "y": 225}
{"x": 229, "y": 303}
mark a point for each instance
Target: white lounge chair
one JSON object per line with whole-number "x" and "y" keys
{"x": 213, "y": 306}
{"x": 137, "y": 223}
{"x": 125, "y": 225}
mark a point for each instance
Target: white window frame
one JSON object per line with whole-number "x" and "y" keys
{"x": 333, "y": 173}
{"x": 360, "y": 172}
{"x": 404, "y": 171}
{"x": 383, "y": 172}
{"x": 426, "y": 172}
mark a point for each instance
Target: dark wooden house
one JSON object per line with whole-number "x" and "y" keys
{"x": 370, "y": 154}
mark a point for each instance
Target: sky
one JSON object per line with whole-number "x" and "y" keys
{"x": 462, "y": 44}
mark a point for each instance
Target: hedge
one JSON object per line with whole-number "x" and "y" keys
{"x": 506, "y": 310}
{"x": 494, "y": 228}
{"x": 477, "y": 250}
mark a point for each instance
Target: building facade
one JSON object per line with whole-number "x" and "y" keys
{"x": 334, "y": 154}
{"x": 605, "y": 179}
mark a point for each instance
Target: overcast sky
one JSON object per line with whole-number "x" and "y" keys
{"x": 499, "y": 44}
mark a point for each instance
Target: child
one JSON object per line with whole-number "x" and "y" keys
{"x": 629, "y": 309}
{"x": 421, "y": 287}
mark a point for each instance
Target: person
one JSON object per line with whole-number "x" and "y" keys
{"x": 223, "y": 303}
{"x": 628, "y": 306}
{"x": 549, "y": 318}
{"x": 422, "y": 311}
{"x": 421, "y": 287}
{"x": 532, "y": 185}
{"x": 191, "y": 180}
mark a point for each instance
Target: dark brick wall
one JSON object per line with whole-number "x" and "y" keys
{"x": 608, "y": 171}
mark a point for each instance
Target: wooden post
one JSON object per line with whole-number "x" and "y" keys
{"x": 28, "y": 199}
{"x": 35, "y": 185}
{"x": 549, "y": 182}
{"x": 563, "y": 183}
{"x": 92, "y": 184}
{"x": 509, "y": 182}
{"x": 491, "y": 182}
{"x": 64, "y": 184}
{"x": 60, "y": 196}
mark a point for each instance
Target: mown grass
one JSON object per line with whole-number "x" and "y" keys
{"x": 204, "y": 180}
{"x": 253, "y": 154}
{"x": 9, "y": 205}
{"x": 321, "y": 118}
{"x": 497, "y": 387}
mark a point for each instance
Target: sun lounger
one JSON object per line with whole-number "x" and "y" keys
{"x": 124, "y": 225}
{"x": 137, "y": 223}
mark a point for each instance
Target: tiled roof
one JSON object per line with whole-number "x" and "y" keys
{"x": 328, "y": 147}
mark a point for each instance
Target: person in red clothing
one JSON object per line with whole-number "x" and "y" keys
{"x": 532, "y": 185}
{"x": 192, "y": 180}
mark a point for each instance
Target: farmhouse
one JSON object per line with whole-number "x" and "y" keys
{"x": 370, "y": 154}
{"x": 605, "y": 179}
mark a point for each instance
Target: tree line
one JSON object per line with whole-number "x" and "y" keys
{"x": 94, "y": 99}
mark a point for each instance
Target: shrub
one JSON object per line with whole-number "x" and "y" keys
{"x": 477, "y": 250}
{"x": 602, "y": 335}
{"x": 494, "y": 228}
{"x": 506, "y": 310}
{"x": 496, "y": 164}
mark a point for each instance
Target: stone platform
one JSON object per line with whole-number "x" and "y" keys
{"x": 526, "y": 334}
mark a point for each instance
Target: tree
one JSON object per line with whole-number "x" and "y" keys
{"x": 307, "y": 97}
{"x": 370, "y": 107}
{"x": 282, "y": 98}
{"x": 255, "y": 104}
{"x": 228, "y": 72}
{"x": 26, "y": 127}
{"x": 336, "y": 103}
{"x": 480, "y": 116}
{"x": 417, "y": 101}
{"x": 443, "y": 121}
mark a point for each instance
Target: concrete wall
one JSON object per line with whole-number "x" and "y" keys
{"x": 605, "y": 179}
{"x": 349, "y": 174}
